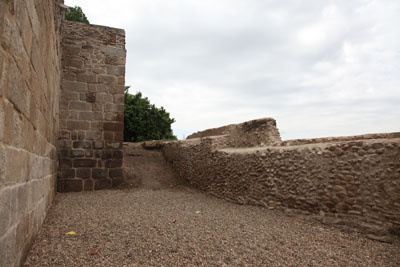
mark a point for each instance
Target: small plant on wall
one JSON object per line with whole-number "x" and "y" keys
{"x": 76, "y": 14}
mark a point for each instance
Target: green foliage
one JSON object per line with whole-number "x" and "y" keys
{"x": 144, "y": 121}
{"x": 76, "y": 14}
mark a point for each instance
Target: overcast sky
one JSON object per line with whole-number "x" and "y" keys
{"x": 320, "y": 68}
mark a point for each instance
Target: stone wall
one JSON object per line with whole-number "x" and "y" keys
{"x": 247, "y": 134}
{"x": 29, "y": 92}
{"x": 350, "y": 181}
{"x": 91, "y": 107}
{"x": 211, "y": 132}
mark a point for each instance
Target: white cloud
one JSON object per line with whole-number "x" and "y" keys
{"x": 321, "y": 68}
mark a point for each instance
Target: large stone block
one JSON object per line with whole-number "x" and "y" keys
{"x": 10, "y": 130}
{"x": 93, "y": 135}
{"x": 63, "y": 143}
{"x": 115, "y": 173}
{"x": 78, "y": 163}
{"x": 88, "y": 185}
{"x": 71, "y": 51}
{"x": 117, "y": 88}
{"x": 23, "y": 197}
{"x": 79, "y": 105}
{"x": 114, "y": 108}
{"x": 22, "y": 234}
{"x": 75, "y": 63}
{"x": 82, "y": 144}
{"x": 117, "y": 154}
{"x": 7, "y": 248}
{"x": 113, "y": 51}
{"x": 88, "y": 78}
{"x": 78, "y": 125}
{"x": 113, "y": 126}
{"x": 5, "y": 210}
{"x": 17, "y": 90}
{"x": 83, "y": 173}
{"x": 114, "y": 145}
{"x": 90, "y": 116}
{"x": 106, "y": 79}
{"x": 69, "y": 96}
{"x": 3, "y": 165}
{"x": 16, "y": 166}
{"x": 70, "y": 185}
{"x": 116, "y": 70}
{"x": 66, "y": 173}
{"x": 72, "y": 86}
{"x": 101, "y": 184}
{"x": 65, "y": 163}
{"x": 99, "y": 173}
{"x": 118, "y": 136}
{"x": 119, "y": 99}
{"x": 114, "y": 163}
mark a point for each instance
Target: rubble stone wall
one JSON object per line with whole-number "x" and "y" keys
{"x": 91, "y": 107}
{"x": 29, "y": 92}
{"x": 351, "y": 181}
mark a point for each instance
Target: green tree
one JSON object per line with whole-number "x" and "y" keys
{"x": 76, "y": 14}
{"x": 144, "y": 121}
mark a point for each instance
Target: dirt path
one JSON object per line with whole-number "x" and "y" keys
{"x": 162, "y": 223}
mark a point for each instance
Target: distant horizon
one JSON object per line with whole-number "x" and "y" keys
{"x": 320, "y": 69}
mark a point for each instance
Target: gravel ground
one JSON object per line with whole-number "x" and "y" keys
{"x": 136, "y": 228}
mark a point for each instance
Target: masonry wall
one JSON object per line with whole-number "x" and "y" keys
{"x": 352, "y": 181}
{"x": 91, "y": 107}
{"x": 29, "y": 91}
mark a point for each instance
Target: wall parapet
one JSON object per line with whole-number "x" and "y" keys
{"x": 347, "y": 181}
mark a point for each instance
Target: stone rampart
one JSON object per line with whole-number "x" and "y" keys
{"x": 211, "y": 132}
{"x": 247, "y": 134}
{"x": 91, "y": 107}
{"x": 29, "y": 92}
{"x": 350, "y": 181}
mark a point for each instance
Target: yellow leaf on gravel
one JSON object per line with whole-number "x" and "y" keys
{"x": 71, "y": 233}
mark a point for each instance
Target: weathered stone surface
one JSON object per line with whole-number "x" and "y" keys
{"x": 327, "y": 176}
{"x": 106, "y": 79}
{"x": 100, "y": 173}
{"x": 77, "y": 163}
{"x": 3, "y": 164}
{"x": 65, "y": 163}
{"x": 29, "y": 95}
{"x": 5, "y": 210}
{"x": 116, "y": 163}
{"x": 8, "y": 248}
{"x": 102, "y": 184}
{"x": 82, "y": 77}
{"x": 70, "y": 185}
{"x": 116, "y": 70}
{"x": 98, "y": 144}
{"x": 113, "y": 126}
{"x": 77, "y": 125}
{"x": 114, "y": 173}
{"x": 88, "y": 185}
{"x": 73, "y": 86}
{"x": 94, "y": 104}
{"x": 67, "y": 173}
{"x": 113, "y": 51}
{"x": 79, "y": 105}
{"x": 83, "y": 173}
{"x": 82, "y": 144}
